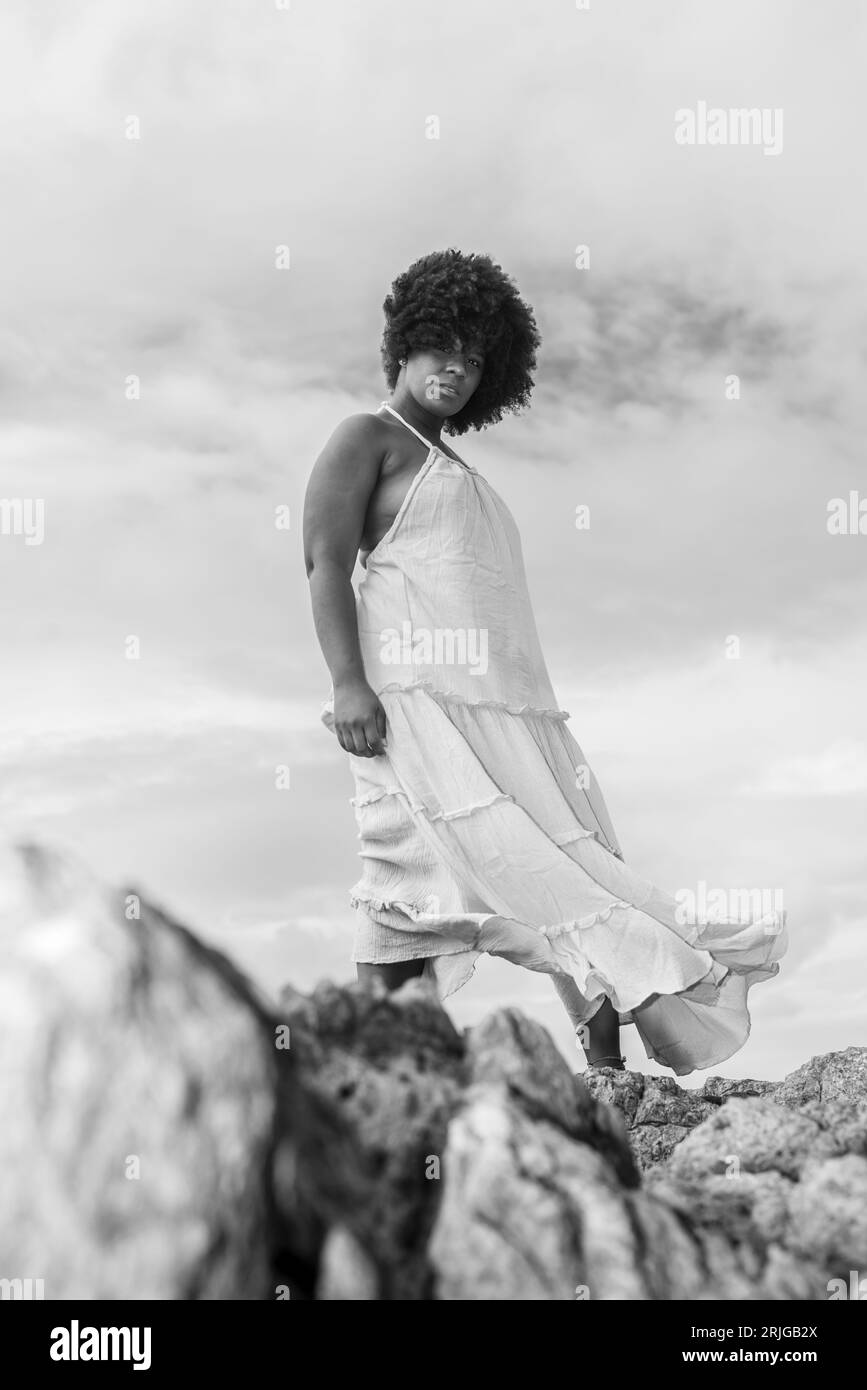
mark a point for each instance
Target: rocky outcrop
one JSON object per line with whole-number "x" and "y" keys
{"x": 786, "y": 1170}
{"x": 390, "y": 1075}
{"x": 169, "y": 1134}
{"x": 138, "y": 1094}
{"x": 659, "y": 1113}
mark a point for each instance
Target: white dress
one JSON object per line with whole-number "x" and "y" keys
{"x": 482, "y": 828}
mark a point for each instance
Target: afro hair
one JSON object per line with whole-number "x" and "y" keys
{"x": 449, "y": 296}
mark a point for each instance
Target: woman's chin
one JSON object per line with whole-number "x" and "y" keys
{"x": 443, "y": 406}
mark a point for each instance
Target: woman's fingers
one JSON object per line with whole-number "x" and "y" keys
{"x": 373, "y": 736}
{"x": 363, "y": 737}
{"x": 380, "y": 723}
{"x": 357, "y": 740}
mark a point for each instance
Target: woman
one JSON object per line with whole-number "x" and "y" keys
{"x": 482, "y": 828}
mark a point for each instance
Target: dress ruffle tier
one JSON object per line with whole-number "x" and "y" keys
{"x": 483, "y": 802}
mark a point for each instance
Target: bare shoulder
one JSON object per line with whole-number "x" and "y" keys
{"x": 361, "y": 431}
{"x": 348, "y": 466}
{"x": 343, "y": 479}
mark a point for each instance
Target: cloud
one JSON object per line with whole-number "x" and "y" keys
{"x": 839, "y": 770}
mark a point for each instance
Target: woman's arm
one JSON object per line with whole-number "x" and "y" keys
{"x": 340, "y": 487}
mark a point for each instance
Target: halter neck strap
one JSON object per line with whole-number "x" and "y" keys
{"x": 418, "y": 435}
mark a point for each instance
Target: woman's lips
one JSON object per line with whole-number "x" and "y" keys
{"x": 447, "y": 389}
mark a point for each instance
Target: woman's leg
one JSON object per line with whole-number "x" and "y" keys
{"x": 603, "y": 1033}
{"x": 392, "y": 975}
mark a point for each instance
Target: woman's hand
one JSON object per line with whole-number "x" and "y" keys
{"x": 359, "y": 719}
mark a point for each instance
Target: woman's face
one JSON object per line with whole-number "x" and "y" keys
{"x": 442, "y": 379}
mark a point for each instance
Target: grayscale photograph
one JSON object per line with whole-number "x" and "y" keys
{"x": 433, "y": 769}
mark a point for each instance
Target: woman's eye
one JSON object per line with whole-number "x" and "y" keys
{"x": 446, "y": 350}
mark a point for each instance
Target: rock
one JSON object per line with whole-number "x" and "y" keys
{"x": 785, "y": 1171}
{"x": 722, "y": 1088}
{"x": 729, "y": 1175}
{"x": 528, "y": 1213}
{"x": 391, "y": 1067}
{"x": 509, "y": 1050}
{"x": 828, "y": 1213}
{"x": 659, "y": 1113}
{"x": 836, "y": 1076}
{"x": 138, "y": 1093}
{"x": 346, "y": 1274}
{"x": 173, "y": 1137}
{"x": 753, "y": 1136}
{"x": 511, "y": 1225}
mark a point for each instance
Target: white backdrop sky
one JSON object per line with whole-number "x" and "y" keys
{"x": 305, "y": 126}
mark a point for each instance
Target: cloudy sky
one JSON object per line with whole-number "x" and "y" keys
{"x": 153, "y": 260}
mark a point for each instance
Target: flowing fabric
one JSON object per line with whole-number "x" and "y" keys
{"x": 483, "y": 829}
